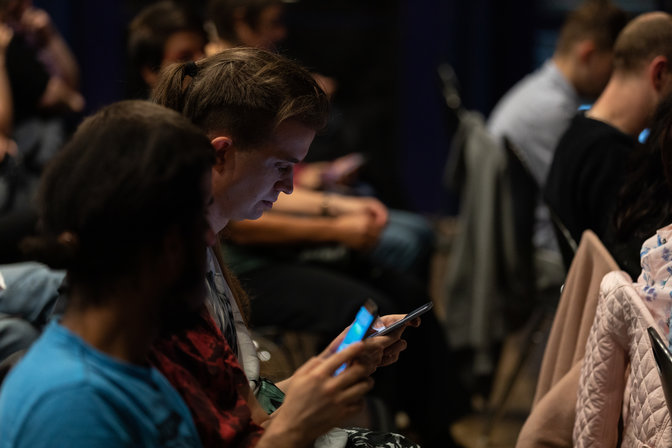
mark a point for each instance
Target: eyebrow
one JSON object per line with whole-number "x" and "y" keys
{"x": 289, "y": 159}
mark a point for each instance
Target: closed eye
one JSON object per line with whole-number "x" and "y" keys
{"x": 284, "y": 169}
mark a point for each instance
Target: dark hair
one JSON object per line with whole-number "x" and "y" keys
{"x": 130, "y": 172}
{"x": 222, "y": 13}
{"x": 646, "y": 37}
{"x": 147, "y": 36}
{"x": 645, "y": 200}
{"x": 246, "y": 92}
{"x": 598, "y": 20}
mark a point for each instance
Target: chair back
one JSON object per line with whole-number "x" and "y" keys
{"x": 551, "y": 420}
{"x": 566, "y": 242}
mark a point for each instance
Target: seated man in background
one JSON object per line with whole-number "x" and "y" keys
{"x": 536, "y": 111}
{"x": 592, "y": 156}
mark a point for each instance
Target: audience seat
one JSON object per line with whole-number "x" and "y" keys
{"x": 551, "y": 420}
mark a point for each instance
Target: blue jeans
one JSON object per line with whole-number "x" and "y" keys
{"x": 406, "y": 243}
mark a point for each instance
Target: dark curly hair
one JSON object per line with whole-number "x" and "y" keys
{"x": 130, "y": 172}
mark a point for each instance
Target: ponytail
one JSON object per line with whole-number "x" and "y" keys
{"x": 171, "y": 90}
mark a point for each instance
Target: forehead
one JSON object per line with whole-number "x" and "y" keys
{"x": 290, "y": 141}
{"x": 182, "y": 45}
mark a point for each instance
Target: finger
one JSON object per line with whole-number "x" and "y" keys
{"x": 383, "y": 217}
{"x": 352, "y": 374}
{"x": 309, "y": 365}
{"x": 397, "y": 332}
{"x": 349, "y": 410}
{"x": 397, "y": 347}
{"x": 389, "y": 319}
{"x": 371, "y": 358}
{"x": 415, "y": 322}
{"x": 331, "y": 363}
{"x": 354, "y": 393}
{"x": 333, "y": 345}
{"x": 12, "y": 148}
{"x": 391, "y": 355}
{"x": 377, "y": 325}
{"x": 395, "y": 335}
{"x": 355, "y": 407}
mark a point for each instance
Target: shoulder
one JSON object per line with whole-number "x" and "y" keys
{"x": 71, "y": 415}
{"x": 584, "y": 134}
{"x": 534, "y": 101}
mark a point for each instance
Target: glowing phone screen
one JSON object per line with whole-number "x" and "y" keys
{"x": 362, "y": 322}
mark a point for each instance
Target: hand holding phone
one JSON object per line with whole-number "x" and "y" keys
{"x": 363, "y": 321}
{"x": 410, "y": 316}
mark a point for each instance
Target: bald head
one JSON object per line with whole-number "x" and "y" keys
{"x": 644, "y": 38}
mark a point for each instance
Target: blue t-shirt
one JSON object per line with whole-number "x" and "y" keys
{"x": 64, "y": 393}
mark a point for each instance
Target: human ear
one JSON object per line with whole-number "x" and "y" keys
{"x": 585, "y": 50}
{"x": 659, "y": 72}
{"x": 223, "y": 146}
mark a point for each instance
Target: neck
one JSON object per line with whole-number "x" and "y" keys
{"x": 120, "y": 327}
{"x": 564, "y": 65}
{"x": 626, "y": 104}
{"x": 567, "y": 67}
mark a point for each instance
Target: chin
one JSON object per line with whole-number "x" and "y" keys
{"x": 255, "y": 214}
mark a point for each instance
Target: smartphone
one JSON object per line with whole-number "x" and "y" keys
{"x": 363, "y": 321}
{"x": 342, "y": 167}
{"x": 410, "y": 316}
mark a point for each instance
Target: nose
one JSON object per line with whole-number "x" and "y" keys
{"x": 286, "y": 184}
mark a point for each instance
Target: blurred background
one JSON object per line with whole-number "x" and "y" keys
{"x": 384, "y": 55}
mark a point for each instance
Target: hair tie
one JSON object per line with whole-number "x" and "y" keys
{"x": 190, "y": 69}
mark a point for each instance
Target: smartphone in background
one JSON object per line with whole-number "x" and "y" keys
{"x": 363, "y": 321}
{"x": 342, "y": 169}
{"x": 410, "y": 316}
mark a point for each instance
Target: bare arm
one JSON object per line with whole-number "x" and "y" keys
{"x": 55, "y": 52}
{"x": 301, "y": 202}
{"x": 62, "y": 89}
{"x": 313, "y": 203}
{"x": 357, "y": 231}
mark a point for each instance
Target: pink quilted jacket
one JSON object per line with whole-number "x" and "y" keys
{"x": 619, "y": 373}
